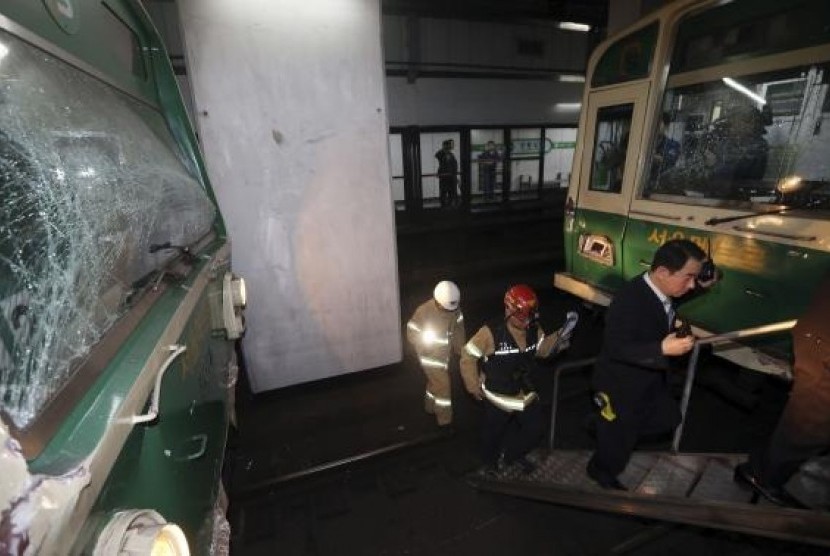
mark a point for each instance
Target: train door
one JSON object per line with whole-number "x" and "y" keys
{"x": 606, "y": 181}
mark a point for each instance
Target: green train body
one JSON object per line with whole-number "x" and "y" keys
{"x": 118, "y": 308}
{"x": 704, "y": 121}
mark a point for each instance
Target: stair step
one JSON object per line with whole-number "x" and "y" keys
{"x": 671, "y": 475}
{"x": 638, "y": 468}
{"x": 716, "y": 483}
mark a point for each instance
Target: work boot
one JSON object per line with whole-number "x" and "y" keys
{"x": 744, "y": 475}
{"x": 527, "y": 467}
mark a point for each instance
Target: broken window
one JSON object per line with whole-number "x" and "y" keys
{"x": 90, "y": 181}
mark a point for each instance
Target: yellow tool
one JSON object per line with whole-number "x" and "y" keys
{"x": 603, "y": 402}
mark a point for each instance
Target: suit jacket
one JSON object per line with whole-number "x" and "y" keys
{"x": 631, "y": 363}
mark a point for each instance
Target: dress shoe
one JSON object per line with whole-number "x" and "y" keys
{"x": 494, "y": 470}
{"x": 603, "y": 479}
{"x": 777, "y": 495}
{"x": 488, "y": 472}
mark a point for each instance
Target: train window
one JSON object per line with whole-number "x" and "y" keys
{"x": 744, "y": 140}
{"x": 610, "y": 147}
{"x": 748, "y": 28}
{"x": 92, "y": 191}
{"x": 628, "y": 59}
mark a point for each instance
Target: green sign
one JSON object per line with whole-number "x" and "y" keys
{"x": 528, "y": 147}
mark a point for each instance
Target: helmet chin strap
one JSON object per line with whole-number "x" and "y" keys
{"x": 526, "y": 322}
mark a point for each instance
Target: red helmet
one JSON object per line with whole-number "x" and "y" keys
{"x": 521, "y": 302}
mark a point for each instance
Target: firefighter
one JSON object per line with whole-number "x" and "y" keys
{"x": 497, "y": 364}
{"x": 436, "y": 330}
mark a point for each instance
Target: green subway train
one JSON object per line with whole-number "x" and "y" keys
{"x": 118, "y": 308}
{"x": 704, "y": 121}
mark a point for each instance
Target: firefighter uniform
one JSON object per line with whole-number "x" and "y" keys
{"x": 436, "y": 333}
{"x": 496, "y": 365}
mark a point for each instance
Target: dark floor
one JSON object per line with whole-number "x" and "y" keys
{"x": 352, "y": 465}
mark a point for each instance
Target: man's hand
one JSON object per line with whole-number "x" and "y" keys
{"x": 478, "y": 393}
{"x": 675, "y": 345}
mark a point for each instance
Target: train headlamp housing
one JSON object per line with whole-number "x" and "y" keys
{"x": 234, "y": 299}
{"x": 141, "y": 533}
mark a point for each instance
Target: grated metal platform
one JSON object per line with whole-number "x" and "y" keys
{"x": 696, "y": 489}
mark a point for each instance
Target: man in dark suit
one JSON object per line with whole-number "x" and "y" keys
{"x": 631, "y": 375}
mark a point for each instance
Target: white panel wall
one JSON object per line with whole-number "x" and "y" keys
{"x": 485, "y": 44}
{"x": 289, "y": 97}
{"x": 486, "y": 48}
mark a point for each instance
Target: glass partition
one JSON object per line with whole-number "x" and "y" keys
{"x": 396, "y": 168}
{"x": 486, "y": 165}
{"x": 525, "y": 154}
{"x": 560, "y": 143}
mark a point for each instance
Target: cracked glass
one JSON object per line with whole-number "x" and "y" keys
{"x": 91, "y": 185}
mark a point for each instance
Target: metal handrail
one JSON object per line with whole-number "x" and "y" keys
{"x": 557, "y": 372}
{"x": 691, "y": 369}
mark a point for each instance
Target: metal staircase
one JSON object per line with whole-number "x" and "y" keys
{"x": 695, "y": 489}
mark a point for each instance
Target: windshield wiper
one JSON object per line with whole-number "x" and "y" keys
{"x": 807, "y": 205}
{"x": 184, "y": 250}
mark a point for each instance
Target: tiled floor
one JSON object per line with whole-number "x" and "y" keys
{"x": 414, "y": 499}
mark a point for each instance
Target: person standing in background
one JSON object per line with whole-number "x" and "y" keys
{"x": 487, "y": 163}
{"x": 447, "y": 174}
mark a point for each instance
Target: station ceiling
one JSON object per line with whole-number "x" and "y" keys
{"x": 591, "y": 12}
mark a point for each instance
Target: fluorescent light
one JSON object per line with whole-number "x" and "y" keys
{"x": 571, "y": 78}
{"x": 3, "y": 50}
{"x": 571, "y": 26}
{"x": 743, "y": 90}
{"x": 790, "y": 184}
{"x": 567, "y": 106}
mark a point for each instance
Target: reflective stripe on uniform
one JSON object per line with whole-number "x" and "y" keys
{"x": 473, "y": 350}
{"x": 429, "y": 337}
{"x": 507, "y": 351}
{"x": 443, "y": 402}
{"x": 430, "y": 362}
{"x": 509, "y": 403}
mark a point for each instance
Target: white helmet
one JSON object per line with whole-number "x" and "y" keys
{"x": 446, "y": 294}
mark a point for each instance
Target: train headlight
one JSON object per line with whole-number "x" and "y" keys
{"x": 234, "y": 298}
{"x": 141, "y": 533}
{"x": 239, "y": 293}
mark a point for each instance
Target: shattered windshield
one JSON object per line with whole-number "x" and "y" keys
{"x": 89, "y": 180}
